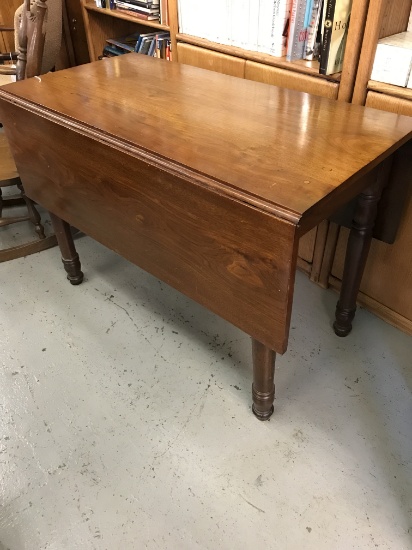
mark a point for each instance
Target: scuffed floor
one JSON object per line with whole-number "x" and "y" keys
{"x": 126, "y": 420}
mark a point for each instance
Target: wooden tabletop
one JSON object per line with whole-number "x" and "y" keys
{"x": 285, "y": 151}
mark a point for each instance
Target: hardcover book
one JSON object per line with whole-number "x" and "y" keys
{"x": 335, "y": 32}
{"x": 393, "y": 59}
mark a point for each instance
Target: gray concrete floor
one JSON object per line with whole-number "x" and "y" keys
{"x": 126, "y": 420}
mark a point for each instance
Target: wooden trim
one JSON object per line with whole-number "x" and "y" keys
{"x": 381, "y": 311}
{"x": 353, "y": 48}
{"x": 390, "y": 89}
{"x": 174, "y": 27}
{"x": 328, "y": 254}
{"x": 303, "y": 265}
{"x": 389, "y": 103}
{"x": 369, "y": 43}
{"x": 319, "y": 250}
{"x": 299, "y": 66}
{"x": 290, "y": 79}
{"x": 89, "y": 37}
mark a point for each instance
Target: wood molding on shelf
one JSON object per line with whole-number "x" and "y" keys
{"x": 390, "y": 89}
{"x": 299, "y": 66}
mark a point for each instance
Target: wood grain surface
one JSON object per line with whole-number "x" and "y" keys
{"x": 235, "y": 259}
{"x": 8, "y": 170}
{"x": 290, "y": 153}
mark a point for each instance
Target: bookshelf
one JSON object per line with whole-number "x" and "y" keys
{"x": 101, "y": 24}
{"x": 386, "y": 286}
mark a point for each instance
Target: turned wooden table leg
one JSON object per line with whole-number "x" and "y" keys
{"x": 263, "y": 389}
{"x": 356, "y": 255}
{"x": 70, "y": 258}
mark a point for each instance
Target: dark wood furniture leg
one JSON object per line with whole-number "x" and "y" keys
{"x": 356, "y": 255}
{"x": 263, "y": 389}
{"x": 70, "y": 258}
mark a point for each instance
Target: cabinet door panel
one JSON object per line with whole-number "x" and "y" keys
{"x": 292, "y": 80}
{"x": 207, "y": 59}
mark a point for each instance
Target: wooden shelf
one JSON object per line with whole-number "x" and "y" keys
{"x": 91, "y": 6}
{"x": 390, "y": 89}
{"x": 300, "y": 66}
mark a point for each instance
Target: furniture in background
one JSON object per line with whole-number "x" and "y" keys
{"x": 386, "y": 286}
{"x": 37, "y": 39}
{"x": 180, "y": 179}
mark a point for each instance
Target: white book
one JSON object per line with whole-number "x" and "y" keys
{"x": 240, "y": 16}
{"x": 253, "y": 26}
{"x": 265, "y": 26}
{"x": 393, "y": 60}
{"x": 280, "y": 18}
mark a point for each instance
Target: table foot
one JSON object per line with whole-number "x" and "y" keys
{"x": 72, "y": 268}
{"x": 263, "y": 389}
{"x": 343, "y": 323}
{"x": 70, "y": 258}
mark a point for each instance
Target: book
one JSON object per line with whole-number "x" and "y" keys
{"x": 137, "y": 14}
{"x": 111, "y": 51}
{"x": 393, "y": 60}
{"x": 127, "y": 43}
{"x": 312, "y": 44}
{"x": 138, "y": 9}
{"x": 280, "y": 27}
{"x": 128, "y": 5}
{"x": 142, "y": 4}
{"x": 297, "y": 31}
{"x": 335, "y": 32}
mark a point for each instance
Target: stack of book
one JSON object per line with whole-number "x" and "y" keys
{"x": 393, "y": 60}
{"x": 147, "y": 10}
{"x": 152, "y": 44}
{"x": 297, "y": 29}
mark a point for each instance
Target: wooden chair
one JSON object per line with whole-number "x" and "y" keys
{"x": 36, "y": 55}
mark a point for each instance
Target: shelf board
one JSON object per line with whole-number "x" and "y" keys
{"x": 300, "y": 66}
{"x": 91, "y": 6}
{"x": 390, "y": 89}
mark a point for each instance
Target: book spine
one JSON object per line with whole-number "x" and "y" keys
{"x": 137, "y": 15}
{"x": 138, "y": 9}
{"x": 297, "y": 31}
{"x": 280, "y": 24}
{"x": 336, "y": 26}
{"x": 327, "y": 35}
{"x": 310, "y": 44}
